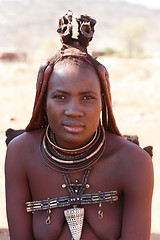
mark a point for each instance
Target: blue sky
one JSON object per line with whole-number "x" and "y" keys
{"x": 148, "y": 3}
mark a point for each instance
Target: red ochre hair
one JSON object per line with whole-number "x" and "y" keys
{"x": 72, "y": 48}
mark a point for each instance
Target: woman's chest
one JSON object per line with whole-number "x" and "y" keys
{"x": 102, "y": 220}
{"x": 45, "y": 182}
{"x": 108, "y": 227}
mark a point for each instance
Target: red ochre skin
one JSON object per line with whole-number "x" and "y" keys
{"x": 73, "y": 104}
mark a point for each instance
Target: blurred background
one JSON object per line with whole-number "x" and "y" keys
{"x": 129, "y": 28}
{"x": 126, "y": 41}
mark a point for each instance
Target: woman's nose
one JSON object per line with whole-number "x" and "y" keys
{"x": 74, "y": 109}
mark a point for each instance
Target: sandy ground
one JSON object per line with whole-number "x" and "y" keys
{"x": 136, "y": 100}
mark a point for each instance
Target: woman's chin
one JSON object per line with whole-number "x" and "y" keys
{"x": 72, "y": 142}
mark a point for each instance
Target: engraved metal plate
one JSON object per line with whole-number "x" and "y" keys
{"x": 75, "y": 217}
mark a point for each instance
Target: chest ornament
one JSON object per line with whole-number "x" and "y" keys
{"x": 75, "y": 215}
{"x": 70, "y": 161}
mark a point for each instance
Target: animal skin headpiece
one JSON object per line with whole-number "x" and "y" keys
{"x": 73, "y": 48}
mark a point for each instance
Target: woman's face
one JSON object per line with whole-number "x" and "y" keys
{"x": 73, "y": 103}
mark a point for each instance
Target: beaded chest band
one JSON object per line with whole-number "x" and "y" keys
{"x": 66, "y": 201}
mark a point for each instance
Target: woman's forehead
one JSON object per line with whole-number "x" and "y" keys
{"x": 73, "y": 75}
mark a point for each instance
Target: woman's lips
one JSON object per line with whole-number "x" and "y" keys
{"x": 73, "y": 129}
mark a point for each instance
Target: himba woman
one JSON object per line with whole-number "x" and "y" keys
{"x": 72, "y": 175}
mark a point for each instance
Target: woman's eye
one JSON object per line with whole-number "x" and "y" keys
{"x": 88, "y": 98}
{"x": 59, "y": 97}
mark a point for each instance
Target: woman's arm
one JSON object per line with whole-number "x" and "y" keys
{"x": 17, "y": 193}
{"x": 138, "y": 188}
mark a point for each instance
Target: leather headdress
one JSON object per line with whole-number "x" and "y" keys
{"x": 76, "y": 48}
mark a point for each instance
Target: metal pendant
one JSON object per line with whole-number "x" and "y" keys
{"x": 75, "y": 217}
{"x": 100, "y": 211}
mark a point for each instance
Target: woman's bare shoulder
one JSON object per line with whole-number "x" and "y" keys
{"x": 26, "y": 139}
{"x": 126, "y": 151}
{"x": 133, "y": 164}
{"x": 21, "y": 148}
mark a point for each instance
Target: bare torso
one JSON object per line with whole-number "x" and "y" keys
{"x": 108, "y": 174}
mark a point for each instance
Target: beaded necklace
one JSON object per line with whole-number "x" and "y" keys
{"x": 69, "y": 161}
{"x": 54, "y": 145}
